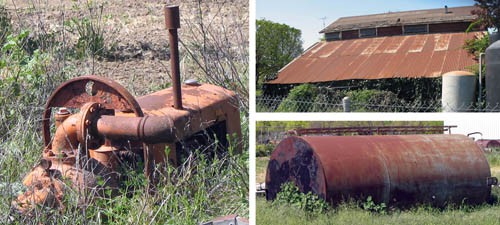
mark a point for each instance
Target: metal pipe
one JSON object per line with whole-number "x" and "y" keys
{"x": 172, "y": 23}
{"x": 149, "y": 129}
{"x": 480, "y": 78}
{"x": 65, "y": 138}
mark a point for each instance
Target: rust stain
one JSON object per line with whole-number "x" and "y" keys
{"x": 372, "y": 47}
{"x": 412, "y": 56}
{"x": 418, "y": 43}
{"x": 394, "y": 169}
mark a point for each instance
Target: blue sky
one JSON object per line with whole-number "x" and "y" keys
{"x": 306, "y": 15}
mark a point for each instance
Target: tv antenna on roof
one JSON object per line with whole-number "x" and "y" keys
{"x": 323, "y": 18}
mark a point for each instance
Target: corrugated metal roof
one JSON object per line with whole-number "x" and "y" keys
{"x": 413, "y": 56}
{"x": 428, "y": 16}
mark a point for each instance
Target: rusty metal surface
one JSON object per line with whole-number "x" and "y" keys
{"x": 204, "y": 105}
{"x": 172, "y": 22}
{"x": 399, "y": 170}
{"x": 46, "y": 186}
{"x": 427, "y": 16}
{"x": 373, "y": 130}
{"x": 102, "y": 132}
{"x": 411, "y": 56}
{"x": 74, "y": 93}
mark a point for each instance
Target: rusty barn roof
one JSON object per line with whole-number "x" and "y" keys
{"x": 413, "y": 56}
{"x": 428, "y": 16}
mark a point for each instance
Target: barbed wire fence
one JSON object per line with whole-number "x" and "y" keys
{"x": 282, "y": 104}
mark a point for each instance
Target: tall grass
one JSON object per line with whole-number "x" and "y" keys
{"x": 197, "y": 191}
{"x": 216, "y": 40}
{"x": 350, "y": 213}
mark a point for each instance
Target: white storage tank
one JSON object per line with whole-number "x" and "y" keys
{"x": 493, "y": 76}
{"x": 458, "y": 91}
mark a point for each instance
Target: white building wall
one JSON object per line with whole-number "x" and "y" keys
{"x": 489, "y": 128}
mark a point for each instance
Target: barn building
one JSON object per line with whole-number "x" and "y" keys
{"x": 410, "y": 44}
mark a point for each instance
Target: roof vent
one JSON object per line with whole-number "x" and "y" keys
{"x": 446, "y": 9}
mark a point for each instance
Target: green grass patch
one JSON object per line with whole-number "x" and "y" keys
{"x": 261, "y": 168}
{"x": 350, "y": 213}
{"x": 197, "y": 191}
{"x": 493, "y": 158}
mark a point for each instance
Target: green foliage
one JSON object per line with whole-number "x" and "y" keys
{"x": 488, "y": 13}
{"x": 398, "y": 94}
{"x": 363, "y": 99}
{"x": 477, "y": 45}
{"x": 264, "y": 150}
{"x": 90, "y": 35}
{"x": 290, "y": 195}
{"x": 373, "y": 207}
{"x": 276, "y": 45}
{"x": 299, "y": 99}
{"x": 351, "y": 213}
{"x": 23, "y": 80}
{"x": 493, "y": 158}
{"x": 197, "y": 191}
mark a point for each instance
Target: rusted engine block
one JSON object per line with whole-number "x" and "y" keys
{"x": 100, "y": 127}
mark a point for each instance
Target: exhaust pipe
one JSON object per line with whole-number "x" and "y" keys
{"x": 172, "y": 23}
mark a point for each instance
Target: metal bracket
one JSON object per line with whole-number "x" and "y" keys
{"x": 491, "y": 181}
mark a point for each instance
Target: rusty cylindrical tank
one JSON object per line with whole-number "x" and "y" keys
{"x": 396, "y": 170}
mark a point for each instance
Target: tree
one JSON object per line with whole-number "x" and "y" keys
{"x": 276, "y": 45}
{"x": 488, "y": 13}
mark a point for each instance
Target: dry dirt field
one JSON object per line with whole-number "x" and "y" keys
{"x": 136, "y": 42}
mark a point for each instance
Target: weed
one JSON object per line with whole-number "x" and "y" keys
{"x": 90, "y": 34}
{"x": 22, "y": 80}
{"x": 5, "y": 25}
{"x": 218, "y": 51}
{"x": 264, "y": 149}
{"x": 309, "y": 202}
{"x": 374, "y": 207}
{"x": 493, "y": 158}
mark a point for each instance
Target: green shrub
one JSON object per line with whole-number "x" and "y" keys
{"x": 477, "y": 45}
{"x": 90, "y": 34}
{"x": 300, "y": 99}
{"x": 373, "y": 207}
{"x": 290, "y": 195}
{"x": 493, "y": 158}
{"x": 264, "y": 150}
{"x": 371, "y": 100}
{"x": 23, "y": 81}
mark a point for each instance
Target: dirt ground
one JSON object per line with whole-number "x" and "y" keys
{"x": 135, "y": 34}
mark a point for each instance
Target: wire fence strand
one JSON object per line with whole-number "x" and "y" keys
{"x": 282, "y": 104}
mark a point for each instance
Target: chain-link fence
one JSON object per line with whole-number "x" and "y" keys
{"x": 282, "y": 104}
